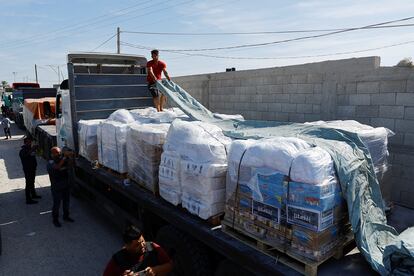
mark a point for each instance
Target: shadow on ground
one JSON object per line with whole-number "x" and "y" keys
{"x": 9, "y": 152}
{"x": 33, "y": 246}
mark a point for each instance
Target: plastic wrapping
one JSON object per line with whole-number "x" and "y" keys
{"x": 112, "y": 145}
{"x": 252, "y": 160}
{"x": 144, "y": 148}
{"x": 169, "y": 177}
{"x": 88, "y": 138}
{"x": 228, "y": 117}
{"x": 199, "y": 179}
{"x": 121, "y": 116}
{"x": 312, "y": 166}
{"x": 150, "y": 115}
{"x": 376, "y": 140}
{"x": 203, "y": 186}
{"x": 197, "y": 141}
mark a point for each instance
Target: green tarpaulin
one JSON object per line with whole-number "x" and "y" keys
{"x": 386, "y": 250}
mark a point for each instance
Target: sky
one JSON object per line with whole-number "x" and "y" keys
{"x": 43, "y": 32}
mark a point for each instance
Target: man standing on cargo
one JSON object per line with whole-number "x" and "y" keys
{"x": 154, "y": 69}
{"x": 6, "y": 125}
{"x": 59, "y": 184}
{"x": 28, "y": 157}
{"x": 138, "y": 255}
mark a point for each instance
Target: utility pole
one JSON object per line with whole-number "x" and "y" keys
{"x": 58, "y": 74}
{"x": 37, "y": 80}
{"x": 14, "y": 76}
{"x": 118, "y": 40}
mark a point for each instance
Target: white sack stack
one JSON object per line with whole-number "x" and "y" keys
{"x": 88, "y": 138}
{"x": 195, "y": 158}
{"x": 144, "y": 148}
{"x": 112, "y": 135}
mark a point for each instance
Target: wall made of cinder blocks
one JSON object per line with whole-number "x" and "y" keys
{"x": 351, "y": 89}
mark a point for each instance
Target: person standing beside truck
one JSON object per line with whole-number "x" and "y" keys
{"x": 57, "y": 168}
{"x": 154, "y": 69}
{"x": 138, "y": 257}
{"x": 28, "y": 157}
{"x": 6, "y": 125}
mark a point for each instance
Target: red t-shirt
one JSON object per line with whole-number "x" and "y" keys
{"x": 157, "y": 68}
{"x": 112, "y": 269}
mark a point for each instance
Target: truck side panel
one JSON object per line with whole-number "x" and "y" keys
{"x": 96, "y": 95}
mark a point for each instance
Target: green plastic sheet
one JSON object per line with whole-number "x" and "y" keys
{"x": 382, "y": 246}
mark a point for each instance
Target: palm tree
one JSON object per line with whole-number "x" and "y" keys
{"x": 4, "y": 84}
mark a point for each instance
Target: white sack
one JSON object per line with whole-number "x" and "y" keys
{"x": 88, "y": 138}
{"x": 144, "y": 148}
{"x": 121, "y": 116}
{"x": 312, "y": 166}
{"x": 112, "y": 145}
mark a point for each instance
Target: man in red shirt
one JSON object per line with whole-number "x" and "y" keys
{"x": 155, "y": 67}
{"x": 137, "y": 255}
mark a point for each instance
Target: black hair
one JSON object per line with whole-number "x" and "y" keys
{"x": 26, "y": 139}
{"x": 131, "y": 233}
{"x": 155, "y": 51}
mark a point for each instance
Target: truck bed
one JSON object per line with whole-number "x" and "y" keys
{"x": 45, "y": 135}
{"x": 112, "y": 189}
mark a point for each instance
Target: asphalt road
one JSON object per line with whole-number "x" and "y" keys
{"x": 31, "y": 243}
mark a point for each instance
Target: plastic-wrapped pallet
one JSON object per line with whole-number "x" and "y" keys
{"x": 88, "y": 138}
{"x": 376, "y": 139}
{"x": 202, "y": 153}
{"x": 256, "y": 187}
{"x": 315, "y": 206}
{"x": 144, "y": 147}
{"x": 112, "y": 140}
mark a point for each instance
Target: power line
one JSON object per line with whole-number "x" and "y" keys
{"x": 274, "y": 58}
{"x": 104, "y": 17}
{"x": 103, "y": 43}
{"x": 286, "y": 40}
{"x": 261, "y": 32}
{"x": 77, "y": 27}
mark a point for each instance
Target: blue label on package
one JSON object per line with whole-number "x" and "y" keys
{"x": 272, "y": 188}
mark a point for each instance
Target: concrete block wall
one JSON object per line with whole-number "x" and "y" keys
{"x": 358, "y": 89}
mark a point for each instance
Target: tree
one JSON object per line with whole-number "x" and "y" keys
{"x": 4, "y": 84}
{"x": 406, "y": 62}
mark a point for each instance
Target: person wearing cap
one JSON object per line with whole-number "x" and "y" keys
{"x": 138, "y": 257}
{"x": 155, "y": 68}
{"x": 28, "y": 157}
{"x": 57, "y": 168}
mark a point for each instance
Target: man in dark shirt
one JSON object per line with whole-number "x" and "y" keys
{"x": 57, "y": 168}
{"x": 137, "y": 255}
{"x": 28, "y": 157}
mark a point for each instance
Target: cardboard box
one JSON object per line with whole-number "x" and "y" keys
{"x": 309, "y": 218}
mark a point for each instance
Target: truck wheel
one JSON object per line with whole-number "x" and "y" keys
{"x": 227, "y": 267}
{"x": 189, "y": 256}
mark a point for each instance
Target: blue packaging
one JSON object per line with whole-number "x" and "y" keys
{"x": 317, "y": 197}
{"x": 273, "y": 189}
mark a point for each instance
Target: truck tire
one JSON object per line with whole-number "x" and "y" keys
{"x": 188, "y": 255}
{"x": 227, "y": 267}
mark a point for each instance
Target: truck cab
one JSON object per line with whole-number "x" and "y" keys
{"x": 97, "y": 85}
